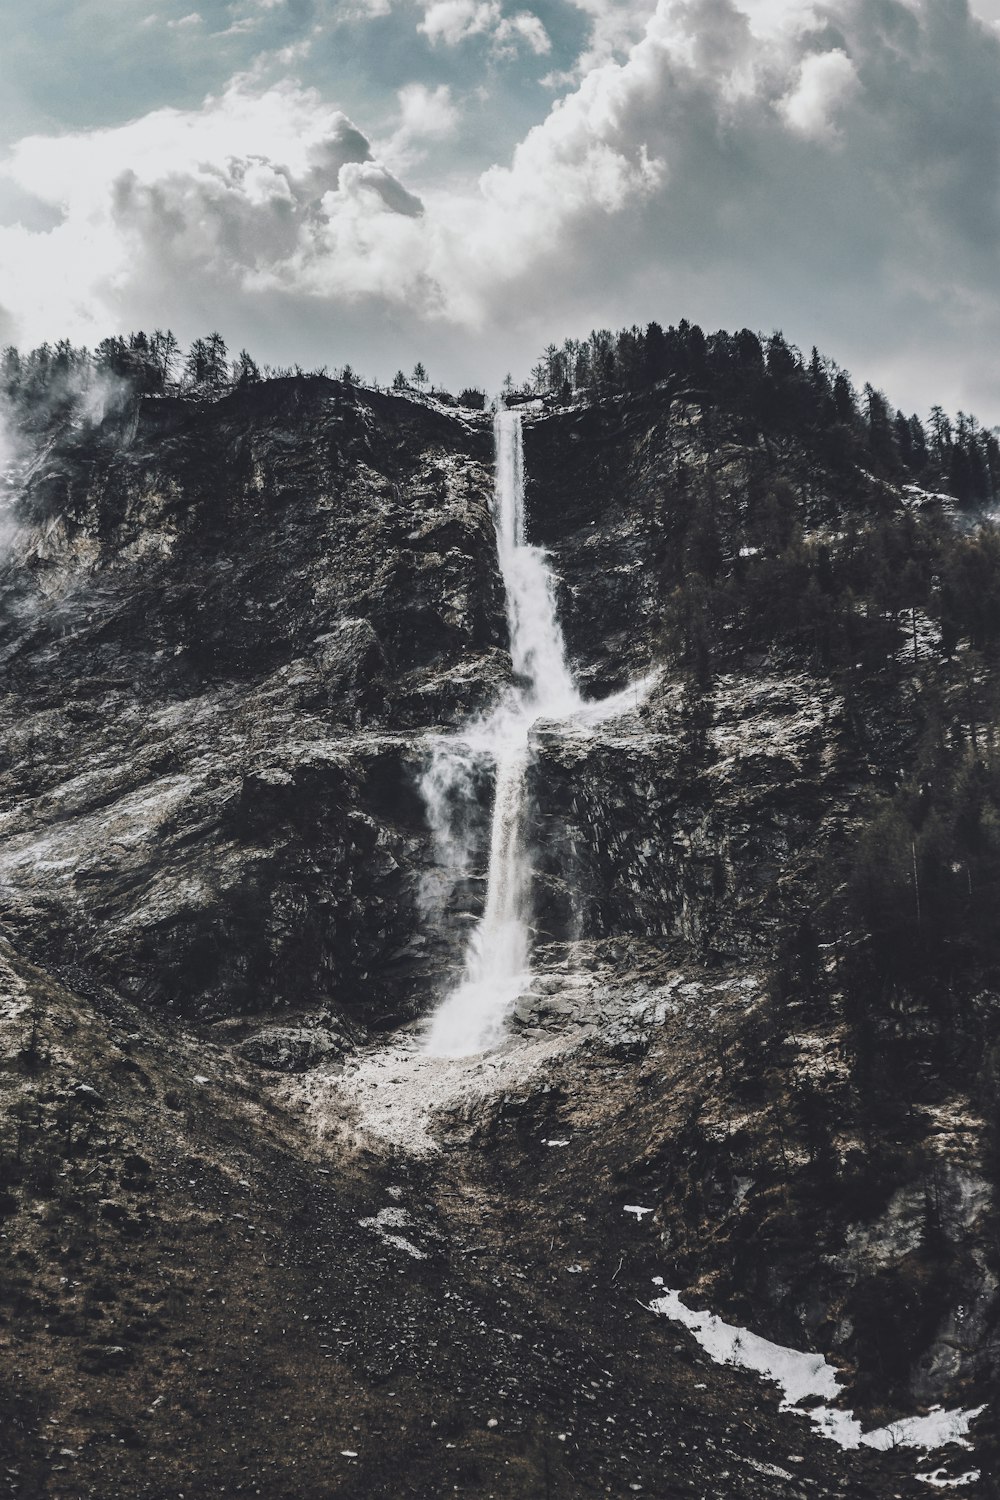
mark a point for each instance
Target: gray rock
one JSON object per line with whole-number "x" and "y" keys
{"x": 291, "y": 1049}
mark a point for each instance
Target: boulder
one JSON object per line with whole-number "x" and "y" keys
{"x": 292, "y": 1049}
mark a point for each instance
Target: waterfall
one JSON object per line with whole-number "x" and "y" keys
{"x": 497, "y": 960}
{"x": 537, "y": 648}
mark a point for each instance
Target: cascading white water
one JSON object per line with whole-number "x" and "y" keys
{"x": 496, "y": 962}
{"x": 497, "y": 969}
{"x": 537, "y": 648}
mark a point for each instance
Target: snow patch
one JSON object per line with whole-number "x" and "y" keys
{"x": 387, "y": 1220}
{"x": 934, "y": 1430}
{"x": 802, "y": 1375}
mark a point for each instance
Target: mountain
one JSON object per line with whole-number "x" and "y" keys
{"x": 255, "y": 1241}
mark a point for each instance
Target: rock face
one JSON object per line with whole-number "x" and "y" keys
{"x": 229, "y": 629}
{"x": 229, "y": 633}
{"x": 646, "y": 838}
{"x": 225, "y": 629}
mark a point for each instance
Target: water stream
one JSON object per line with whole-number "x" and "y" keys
{"x": 496, "y": 968}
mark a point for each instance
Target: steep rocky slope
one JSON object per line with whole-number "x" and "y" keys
{"x": 201, "y": 1297}
{"x": 221, "y": 626}
{"x": 228, "y": 631}
{"x": 832, "y": 1197}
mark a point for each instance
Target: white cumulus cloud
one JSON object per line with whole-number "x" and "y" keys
{"x": 427, "y": 114}
{"x": 424, "y": 116}
{"x": 523, "y": 29}
{"x": 825, "y": 84}
{"x": 832, "y": 169}
{"x": 454, "y": 21}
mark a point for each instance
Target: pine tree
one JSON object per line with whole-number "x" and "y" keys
{"x": 844, "y": 399}
{"x": 205, "y": 369}
{"x": 112, "y": 356}
{"x": 781, "y": 361}
{"x": 218, "y": 368}
{"x": 10, "y": 372}
{"x": 245, "y": 370}
{"x": 165, "y": 351}
{"x": 656, "y": 353}
{"x": 880, "y": 434}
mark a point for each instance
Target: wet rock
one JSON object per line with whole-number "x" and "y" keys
{"x": 638, "y": 841}
{"x": 230, "y": 632}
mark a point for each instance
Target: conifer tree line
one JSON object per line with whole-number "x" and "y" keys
{"x": 150, "y": 363}
{"x": 52, "y": 377}
{"x": 769, "y": 382}
{"x": 764, "y": 380}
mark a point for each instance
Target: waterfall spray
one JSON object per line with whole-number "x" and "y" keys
{"x": 497, "y": 960}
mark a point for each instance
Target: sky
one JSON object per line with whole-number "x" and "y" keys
{"x": 462, "y": 182}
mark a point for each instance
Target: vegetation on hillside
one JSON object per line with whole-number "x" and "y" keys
{"x": 52, "y": 382}
{"x": 761, "y": 381}
{"x": 767, "y": 382}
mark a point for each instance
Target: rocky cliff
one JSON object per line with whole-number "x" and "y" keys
{"x": 222, "y": 626}
{"x": 230, "y": 631}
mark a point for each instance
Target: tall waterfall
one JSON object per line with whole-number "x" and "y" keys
{"x": 497, "y": 960}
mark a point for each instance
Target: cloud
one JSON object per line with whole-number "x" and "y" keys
{"x": 232, "y": 196}
{"x": 454, "y": 21}
{"x": 615, "y": 26}
{"x": 833, "y": 169}
{"x": 825, "y": 84}
{"x": 523, "y": 29}
{"x": 426, "y": 114}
